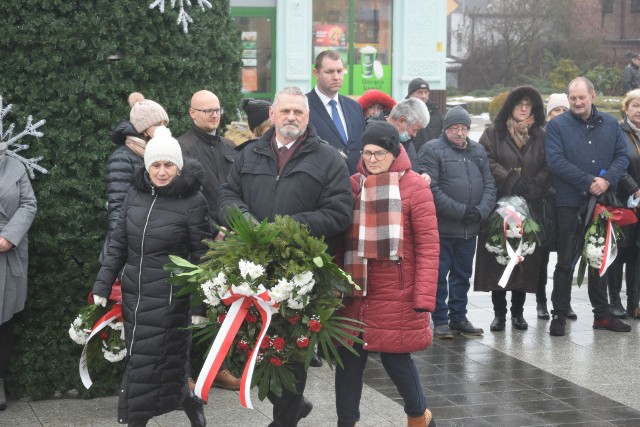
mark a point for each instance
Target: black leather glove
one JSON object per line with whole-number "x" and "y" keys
{"x": 471, "y": 215}
{"x": 521, "y": 186}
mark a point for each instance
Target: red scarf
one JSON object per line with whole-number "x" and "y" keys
{"x": 376, "y": 231}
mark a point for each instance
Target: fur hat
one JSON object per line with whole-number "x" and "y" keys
{"x": 374, "y": 96}
{"x": 456, "y": 116}
{"x": 557, "y": 100}
{"x": 257, "y": 111}
{"x": 163, "y": 147}
{"x": 382, "y": 134}
{"x": 416, "y": 84}
{"x": 147, "y": 113}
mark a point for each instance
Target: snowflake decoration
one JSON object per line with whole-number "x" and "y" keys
{"x": 183, "y": 17}
{"x": 30, "y": 129}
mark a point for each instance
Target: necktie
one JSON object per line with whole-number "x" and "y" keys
{"x": 336, "y": 121}
{"x": 282, "y": 150}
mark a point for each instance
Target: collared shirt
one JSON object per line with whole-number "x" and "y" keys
{"x": 325, "y": 101}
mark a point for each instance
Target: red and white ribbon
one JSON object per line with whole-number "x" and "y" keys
{"x": 515, "y": 256}
{"x": 610, "y": 250}
{"x": 240, "y": 305}
{"x": 115, "y": 314}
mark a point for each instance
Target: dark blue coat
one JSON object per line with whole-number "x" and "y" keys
{"x": 327, "y": 131}
{"x": 460, "y": 178}
{"x": 577, "y": 151}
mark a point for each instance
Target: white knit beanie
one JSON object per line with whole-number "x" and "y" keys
{"x": 557, "y": 100}
{"x": 163, "y": 148}
{"x": 147, "y": 113}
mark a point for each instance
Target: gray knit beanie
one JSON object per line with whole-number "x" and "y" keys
{"x": 457, "y": 116}
{"x": 147, "y": 113}
{"x": 163, "y": 148}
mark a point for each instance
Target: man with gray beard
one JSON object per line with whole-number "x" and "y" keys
{"x": 291, "y": 171}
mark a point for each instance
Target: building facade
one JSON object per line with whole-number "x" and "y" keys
{"x": 384, "y": 43}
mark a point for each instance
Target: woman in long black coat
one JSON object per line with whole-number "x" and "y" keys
{"x": 515, "y": 148}
{"x": 164, "y": 213}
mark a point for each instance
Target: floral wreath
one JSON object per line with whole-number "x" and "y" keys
{"x": 105, "y": 323}
{"x": 271, "y": 292}
{"x": 513, "y": 234}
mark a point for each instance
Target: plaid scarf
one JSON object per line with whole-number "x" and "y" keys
{"x": 376, "y": 231}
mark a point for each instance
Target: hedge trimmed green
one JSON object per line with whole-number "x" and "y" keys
{"x": 54, "y": 65}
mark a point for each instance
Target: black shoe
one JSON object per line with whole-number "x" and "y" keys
{"x": 304, "y": 409}
{"x": 139, "y": 423}
{"x": 497, "y": 324}
{"x": 571, "y": 314}
{"x": 518, "y": 322}
{"x": 617, "y": 310}
{"x": 443, "y": 332}
{"x": 543, "y": 313}
{"x": 611, "y": 323}
{"x": 557, "y": 326}
{"x": 195, "y": 411}
{"x": 465, "y": 328}
{"x": 316, "y": 362}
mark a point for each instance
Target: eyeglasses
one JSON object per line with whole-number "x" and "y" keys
{"x": 456, "y": 129}
{"x": 379, "y": 155}
{"x": 211, "y": 111}
{"x": 523, "y": 104}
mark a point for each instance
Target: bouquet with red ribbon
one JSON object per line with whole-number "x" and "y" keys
{"x": 100, "y": 331}
{"x": 271, "y": 291}
{"x": 600, "y": 247}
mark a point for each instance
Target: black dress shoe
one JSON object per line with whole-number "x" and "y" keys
{"x": 194, "y": 410}
{"x": 571, "y": 314}
{"x": 465, "y": 328}
{"x": 518, "y": 322}
{"x": 617, "y": 310}
{"x": 497, "y": 324}
{"x": 543, "y": 313}
{"x": 316, "y": 362}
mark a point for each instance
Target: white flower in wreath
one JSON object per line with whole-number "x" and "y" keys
{"x": 514, "y": 232}
{"x": 113, "y": 354}
{"x": 77, "y": 333}
{"x": 247, "y": 268}
{"x": 282, "y": 291}
{"x": 295, "y": 304}
{"x": 498, "y": 250}
{"x": 304, "y": 282}
{"x": 243, "y": 289}
{"x": 116, "y": 325}
{"x": 211, "y": 292}
{"x": 502, "y": 260}
{"x": 528, "y": 248}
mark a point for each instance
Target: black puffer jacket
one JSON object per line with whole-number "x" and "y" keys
{"x": 121, "y": 166}
{"x": 157, "y": 222}
{"x": 313, "y": 189}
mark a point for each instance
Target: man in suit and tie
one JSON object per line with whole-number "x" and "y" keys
{"x": 337, "y": 119}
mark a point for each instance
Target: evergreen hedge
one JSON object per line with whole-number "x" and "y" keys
{"x": 55, "y": 65}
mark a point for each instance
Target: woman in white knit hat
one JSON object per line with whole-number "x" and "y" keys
{"x": 557, "y": 104}
{"x": 164, "y": 213}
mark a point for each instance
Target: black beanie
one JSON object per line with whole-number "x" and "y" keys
{"x": 383, "y": 135}
{"x": 257, "y": 111}
{"x": 416, "y": 84}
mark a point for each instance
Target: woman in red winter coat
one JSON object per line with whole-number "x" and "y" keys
{"x": 392, "y": 252}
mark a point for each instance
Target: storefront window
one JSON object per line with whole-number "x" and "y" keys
{"x": 257, "y": 41}
{"x": 360, "y": 30}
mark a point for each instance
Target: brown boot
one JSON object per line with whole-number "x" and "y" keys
{"x": 225, "y": 379}
{"x": 425, "y": 420}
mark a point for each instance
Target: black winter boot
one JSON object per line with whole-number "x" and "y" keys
{"x": 3, "y": 397}
{"x": 194, "y": 410}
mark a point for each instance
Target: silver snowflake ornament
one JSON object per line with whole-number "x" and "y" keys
{"x": 14, "y": 142}
{"x": 183, "y": 17}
